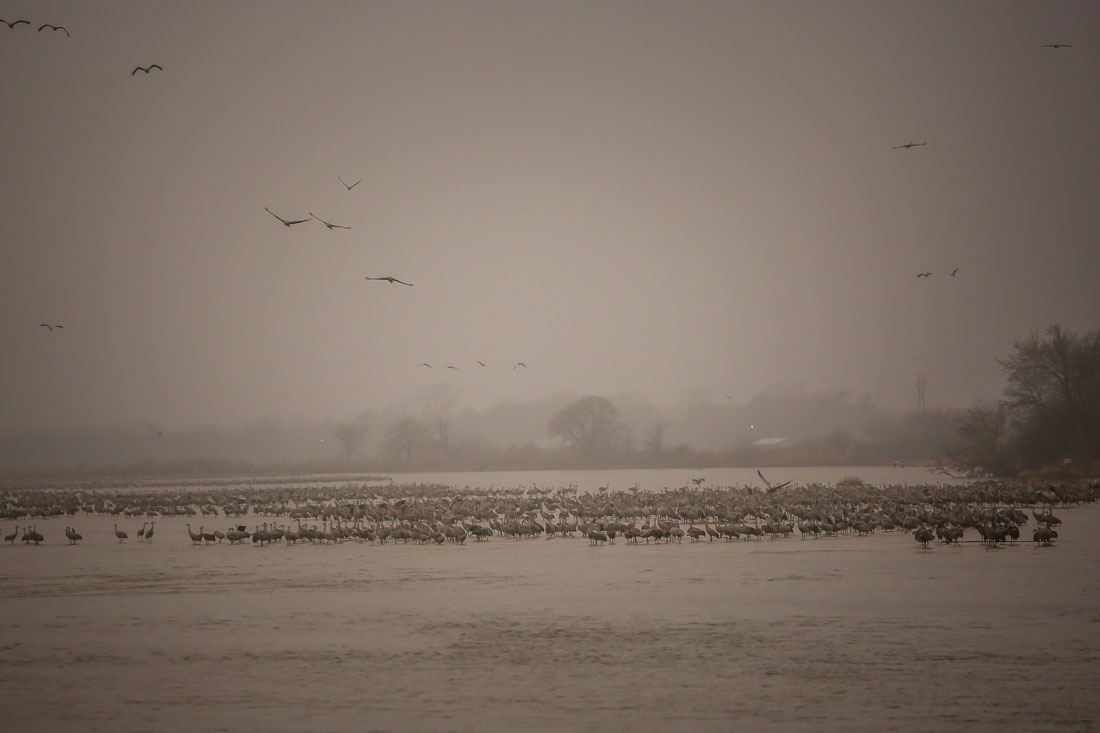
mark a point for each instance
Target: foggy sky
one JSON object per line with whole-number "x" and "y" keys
{"x": 668, "y": 198}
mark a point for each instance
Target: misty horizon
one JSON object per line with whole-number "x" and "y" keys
{"x": 651, "y": 198}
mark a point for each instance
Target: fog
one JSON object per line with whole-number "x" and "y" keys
{"x": 691, "y": 202}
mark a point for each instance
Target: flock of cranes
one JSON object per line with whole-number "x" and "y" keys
{"x": 427, "y": 515}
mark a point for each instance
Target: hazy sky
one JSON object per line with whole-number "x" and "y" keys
{"x": 660, "y": 197}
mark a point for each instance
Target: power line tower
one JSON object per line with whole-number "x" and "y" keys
{"x": 920, "y": 392}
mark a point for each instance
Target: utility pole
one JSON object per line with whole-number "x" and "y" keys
{"x": 920, "y": 392}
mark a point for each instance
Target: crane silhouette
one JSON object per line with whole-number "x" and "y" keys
{"x": 284, "y": 221}
{"x": 55, "y": 28}
{"x": 56, "y": 325}
{"x": 14, "y": 23}
{"x": 387, "y": 278}
{"x": 146, "y": 69}
{"x": 1057, "y": 45}
{"x": 909, "y": 145}
{"x": 769, "y": 483}
{"x": 347, "y": 185}
{"x": 330, "y": 226}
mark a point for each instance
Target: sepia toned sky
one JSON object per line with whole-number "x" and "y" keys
{"x": 668, "y": 198}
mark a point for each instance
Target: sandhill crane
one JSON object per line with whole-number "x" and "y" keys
{"x": 12, "y": 25}
{"x": 146, "y": 69}
{"x": 347, "y": 185}
{"x": 924, "y": 535}
{"x": 10, "y": 538}
{"x": 149, "y": 532}
{"x": 596, "y": 537}
{"x": 1045, "y": 45}
{"x": 51, "y": 327}
{"x": 141, "y": 532}
{"x": 286, "y": 222}
{"x": 73, "y": 535}
{"x": 328, "y": 224}
{"x": 924, "y": 274}
{"x": 520, "y": 364}
{"x": 953, "y": 272}
{"x": 389, "y": 279}
{"x": 196, "y": 539}
{"x": 120, "y": 534}
{"x": 33, "y": 536}
{"x": 907, "y": 146}
{"x": 712, "y": 533}
{"x": 207, "y": 536}
{"x": 769, "y": 483}
{"x": 54, "y": 28}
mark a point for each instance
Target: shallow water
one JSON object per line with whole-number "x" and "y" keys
{"x": 853, "y": 633}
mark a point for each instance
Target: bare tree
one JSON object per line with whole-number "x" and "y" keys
{"x": 1054, "y": 392}
{"x": 655, "y": 437}
{"x": 350, "y": 434}
{"x": 405, "y": 438}
{"x": 590, "y": 426}
{"x": 981, "y": 440}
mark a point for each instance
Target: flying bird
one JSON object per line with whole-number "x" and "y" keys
{"x": 480, "y": 363}
{"x": 347, "y": 185}
{"x": 924, "y": 274}
{"x": 520, "y": 364}
{"x": 146, "y": 69}
{"x": 390, "y": 280}
{"x": 1057, "y": 45}
{"x": 909, "y": 145}
{"x": 451, "y": 366}
{"x": 330, "y": 226}
{"x": 424, "y": 363}
{"x": 284, "y": 221}
{"x": 769, "y": 483}
{"x": 952, "y": 273}
{"x": 14, "y": 23}
{"x": 56, "y": 325}
{"x": 55, "y": 28}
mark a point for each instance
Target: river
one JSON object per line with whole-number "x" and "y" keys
{"x": 840, "y": 633}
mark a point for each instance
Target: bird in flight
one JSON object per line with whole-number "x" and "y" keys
{"x": 146, "y": 69}
{"x": 55, "y": 28}
{"x": 729, "y": 397}
{"x": 924, "y": 274}
{"x": 909, "y": 145}
{"x": 347, "y": 185}
{"x": 479, "y": 362}
{"x": 451, "y": 366}
{"x": 769, "y": 483}
{"x": 424, "y": 363}
{"x": 390, "y": 280}
{"x": 56, "y": 325}
{"x": 520, "y": 364}
{"x": 284, "y": 221}
{"x": 1057, "y": 45}
{"x": 330, "y": 226}
{"x": 952, "y": 273}
{"x": 14, "y": 23}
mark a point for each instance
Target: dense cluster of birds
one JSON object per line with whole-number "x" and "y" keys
{"x": 995, "y": 511}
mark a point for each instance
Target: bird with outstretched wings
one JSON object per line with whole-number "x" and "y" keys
{"x": 769, "y": 483}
